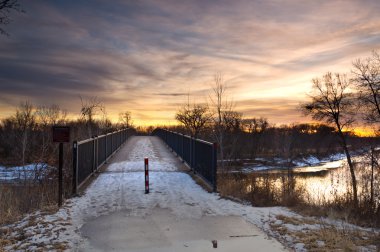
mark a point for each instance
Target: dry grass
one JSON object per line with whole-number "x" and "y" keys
{"x": 260, "y": 189}
{"x": 266, "y": 189}
{"x": 325, "y": 237}
{"x": 55, "y": 246}
{"x": 341, "y": 209}
{"x": 60, "y": 246}
{"x": 16, "y": 238}
{"x": 3, "y": 243}
{"x": 334, "y": 239}
{"x": 17, "y": 200}
{"x": 296, "y": 221}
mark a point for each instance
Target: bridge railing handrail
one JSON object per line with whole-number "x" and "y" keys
{"x": 90, "y": 154}
{"x": 198, "y": 154}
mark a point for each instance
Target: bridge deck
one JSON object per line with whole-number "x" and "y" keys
{"x": 177, "y": 214}
{"x": 130, "y": 158}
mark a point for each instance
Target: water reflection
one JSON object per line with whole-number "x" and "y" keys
{"x": 319, "y": 184}
{"x": 324, "y": 186}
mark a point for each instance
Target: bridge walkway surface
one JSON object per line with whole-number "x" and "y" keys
{"x": 115, "y": 214}
{"x": 177, "y": 214}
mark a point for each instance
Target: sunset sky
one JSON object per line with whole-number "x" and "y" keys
{"x": 146, "y": 56}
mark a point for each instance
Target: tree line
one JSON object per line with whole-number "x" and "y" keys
{"x": 26, "y": 136}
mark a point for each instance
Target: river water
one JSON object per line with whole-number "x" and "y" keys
{"x": 319, "y": 184}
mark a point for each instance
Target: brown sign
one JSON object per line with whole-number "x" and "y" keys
{"x": 61, "y": 134}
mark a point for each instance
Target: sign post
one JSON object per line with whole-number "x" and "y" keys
{"x": 146, "y": 162}
{"x": 61, "y": 134}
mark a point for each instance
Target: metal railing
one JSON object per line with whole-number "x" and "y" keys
{"x": 198, "y": 154}
{"x": 90, "y": 154}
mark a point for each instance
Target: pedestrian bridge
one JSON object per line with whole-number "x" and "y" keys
{"x": 90, "y": 155}
{"x": 115, "y": 214}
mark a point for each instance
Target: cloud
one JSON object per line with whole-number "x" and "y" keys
{"x": 147, "y": 56}
{"x": 277, "y": 110}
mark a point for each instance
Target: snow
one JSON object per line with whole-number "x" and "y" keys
{"x": 307, "y": 164}
{"x": 252, "y": 168}
{"x": 320, "y": 167}
{"x": 121, "y": 189}
{"x": 28, "y": 172}
{"x": 311, "y": 160}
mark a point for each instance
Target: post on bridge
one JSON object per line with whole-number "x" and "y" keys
{"x": 61, "y": 134}
{"x": 146, "y": 164}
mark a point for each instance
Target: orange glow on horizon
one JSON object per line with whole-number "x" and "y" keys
{"x": 365, "y": 132}
{"x": 361, "y": 131}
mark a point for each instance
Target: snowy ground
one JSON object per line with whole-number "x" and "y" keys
{"x": 119, "y": 191}
{"x": 31, "y": 172}
{"x": 306, "y": 164}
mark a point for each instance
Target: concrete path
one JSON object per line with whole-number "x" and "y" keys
{"x": 177, "y": 215}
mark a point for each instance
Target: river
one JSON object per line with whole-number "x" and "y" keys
{"x": 318, "y": 184}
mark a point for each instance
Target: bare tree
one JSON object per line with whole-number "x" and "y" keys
{"x": 232, "y": 126}
{"x": 125, "y": 118}
{"x": 220, "y": 104}
{"x": 367, "y": 81}
{"x": 332, "y": 103}
{"x": 25, "y": 120}
{"x": 256, "y": 128}
{"x": 232, "y": 120}
{"x": 51, "y": 115}
{"x": 89, "y": 110}
{"x": 6, "y": 6}
{"x": 194, "y": 117}
{"x": 46, "y": 116}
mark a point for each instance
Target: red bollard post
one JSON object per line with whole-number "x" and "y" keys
{"x": 146, "y": 175}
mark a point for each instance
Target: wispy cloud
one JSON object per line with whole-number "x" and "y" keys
{"x": 147, "y": 56}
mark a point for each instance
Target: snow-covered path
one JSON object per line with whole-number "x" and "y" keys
{"x": 171, "y": 190}
{"x": 115, "y": 214}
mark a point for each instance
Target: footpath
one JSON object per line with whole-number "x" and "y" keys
{"x": 115, "y": 214}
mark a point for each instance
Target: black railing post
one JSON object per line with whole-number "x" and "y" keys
{"x": 97, "y": 153}
{"x": 195, "y": 156}
{"x": 111, "y": 138}
{"x": 119, "y": 140}
{"x": 105, "y": 149}
{"x": 192, "y": 153}
{"x": 183, "y": 148}
{"x": 93, "y": 153}
{"x": 178, "y": 144}
{"x": 60, "y": 175}
{"x": 75, "y": 167}
{"x": 214, "y": 168}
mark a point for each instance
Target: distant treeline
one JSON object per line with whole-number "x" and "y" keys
{"x": 255, "y": 138}
{"x": 26, "y": 136}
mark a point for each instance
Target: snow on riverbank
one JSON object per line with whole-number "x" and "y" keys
{"x": 306, "y": 164}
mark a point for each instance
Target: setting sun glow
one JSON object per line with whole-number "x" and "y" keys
{"x": 149, "y": 57}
